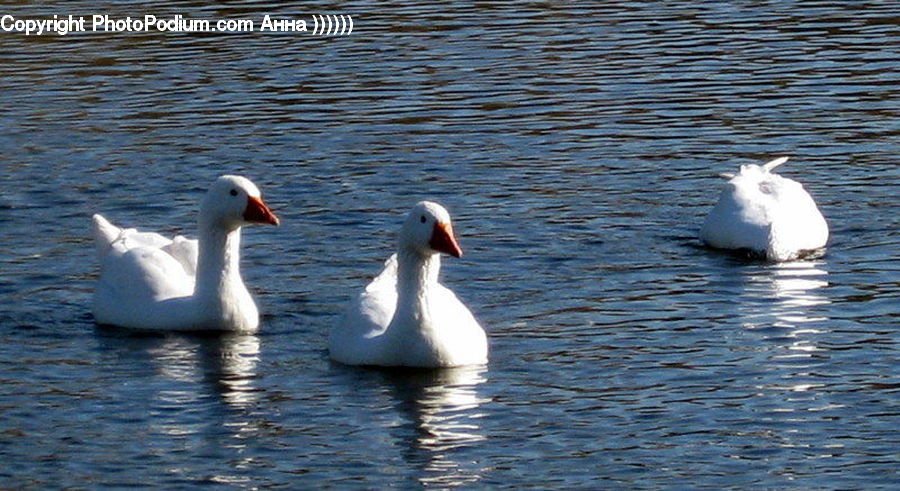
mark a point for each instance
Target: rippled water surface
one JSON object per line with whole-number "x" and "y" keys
{"x": 578, "y": 149}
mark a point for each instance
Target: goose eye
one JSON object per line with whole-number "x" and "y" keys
{"x": 233, "y": 192}
{"x": 423, "y": 219}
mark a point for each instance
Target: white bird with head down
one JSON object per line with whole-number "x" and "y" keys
{"x": 148, "y": 281}
{"x": 405, "y": 317}
{"x": 766, "y": 214}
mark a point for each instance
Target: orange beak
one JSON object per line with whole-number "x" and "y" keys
{"x": 442, "y": 240}
{"x": 258, "y": 212}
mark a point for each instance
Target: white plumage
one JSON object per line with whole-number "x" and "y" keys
{"x": 405, "y": 317}
{"x": 148, "y": 281}
{"x": 765, "y": 213}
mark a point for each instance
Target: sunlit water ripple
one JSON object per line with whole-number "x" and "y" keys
{"x": 577, "y": 148}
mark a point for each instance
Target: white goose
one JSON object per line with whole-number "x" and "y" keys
{"x": 148, "y": 281}
{"x": 765, "y": 213}
{"x": 405, "y": 317}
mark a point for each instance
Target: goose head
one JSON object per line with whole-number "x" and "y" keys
{"x": 234, "y": 201}
{"x": 427, "y": 230}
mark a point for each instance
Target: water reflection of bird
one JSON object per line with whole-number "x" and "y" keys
{"x": 212, "y": 377}
{"x": 186, "y": 369}
{"x": 790, "y": 295}
{"x": 231, "y": 364}
{"x": 796, "y": 288}
{"x": 442, "y": 412}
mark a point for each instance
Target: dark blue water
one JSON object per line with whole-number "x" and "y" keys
{"x": 578, "y": 151}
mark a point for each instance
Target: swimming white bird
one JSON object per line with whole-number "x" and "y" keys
{"x": 148, "y": 281}
{"x": 765, "y": 213}
{"x": 405, "y": 317}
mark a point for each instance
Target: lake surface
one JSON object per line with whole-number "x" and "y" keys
{"x": 578, "y": 150}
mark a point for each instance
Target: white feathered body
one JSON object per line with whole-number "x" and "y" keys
{"x": 147, "y": 281}
{"x": 432, "y": 329}
{"x": 765, "y": 213}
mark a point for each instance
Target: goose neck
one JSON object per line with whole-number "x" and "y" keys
{"x": 218, "y": 262}
{"x": 415, "y": 272}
